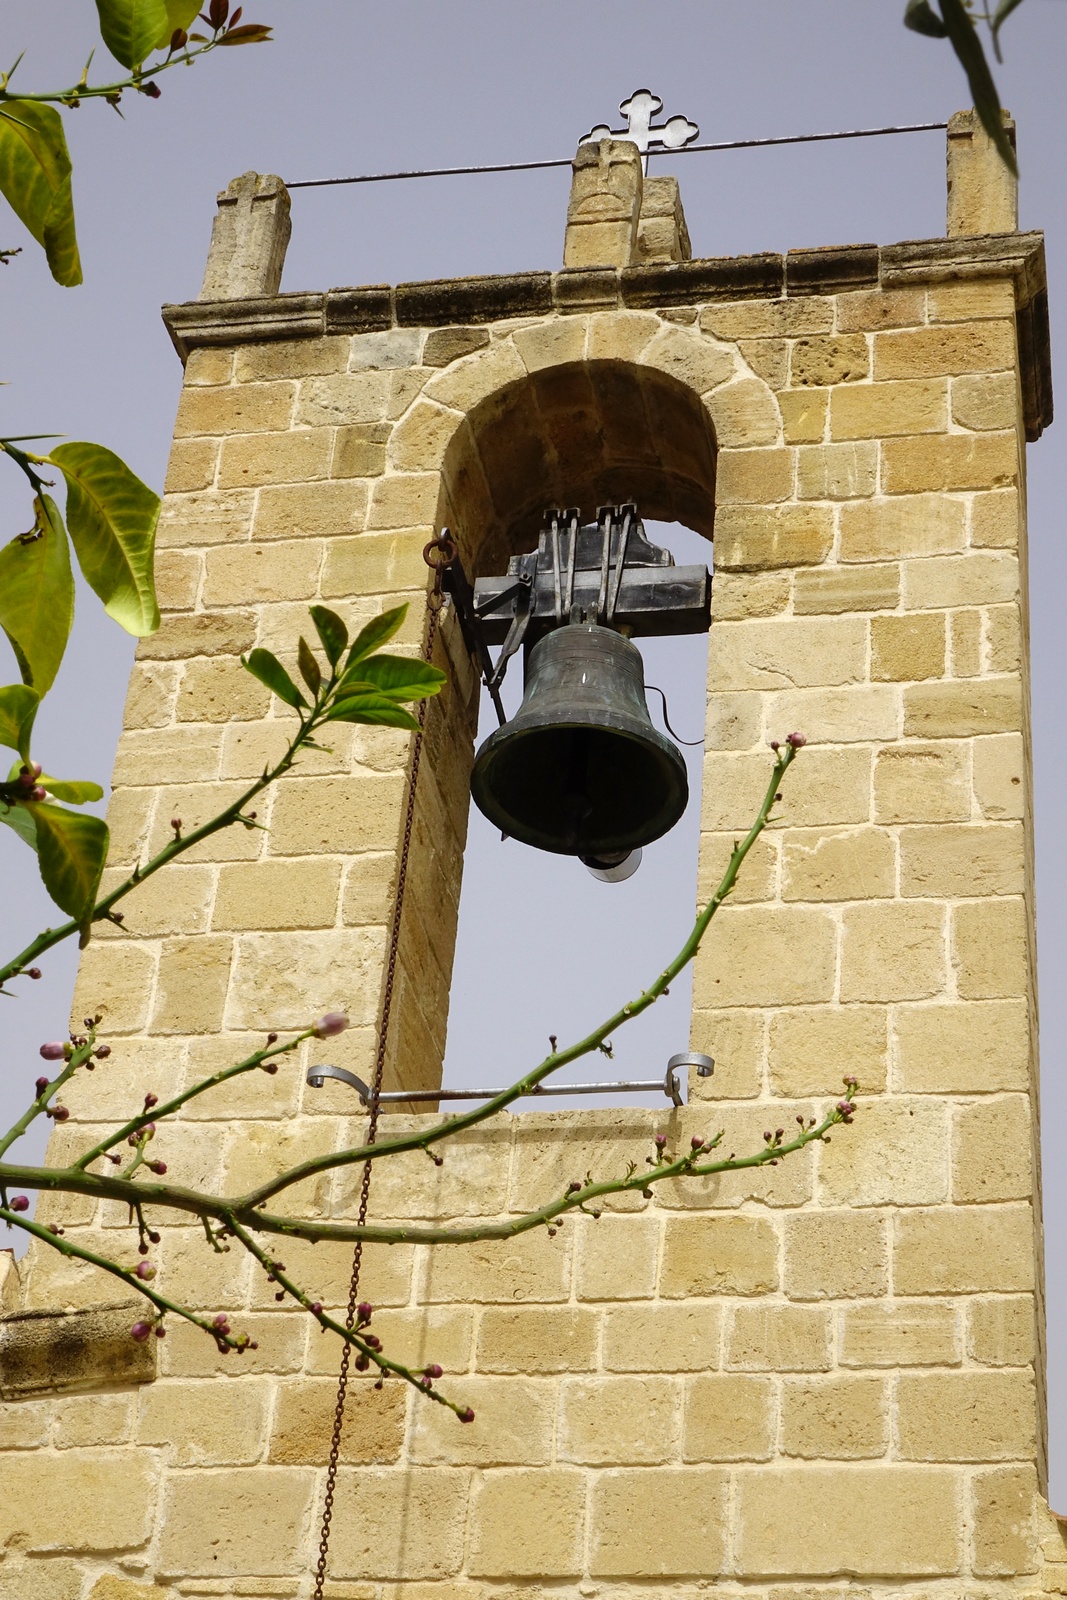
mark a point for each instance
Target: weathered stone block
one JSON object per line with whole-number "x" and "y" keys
{"x": 973, "y": 1048}
{"x": 901, "y": 1521}
{"x": 958, "y": 860}
{"x": 913, "y": 525}
{"x": 811, "y": 1050}
{"x": 1001, "y": 1331}
{"x": 107, "y": 1499}
{"x": 277, "y": 894}
{"x": 552, "y": 1339}
{"x": 904, "y": 649}
{"x": 729, "y": 1417}
{"x": 989, "y": 949}
{"x": 893, "y": 951}
{"x": 857, "y": 864}
{"x": 837, "y": 471}
{"x": 526, "y": 1524}
{"x": 966, "y": 1416}
{"x": 842, "y": 1418}
{"x": 616, "y": 1256}
{"x": 257, "y": 458}
{"x": 43, "y": 1351}
{"x": 867, "y": 588}
{"x": 964, "y": 1250}
{"x": 206, "y": 1424}
{"x": 662, "y": 1338}
{"x": 922, "y": 783}
{"x": 778, "y": 1338}
{"x": 235, "y": 1521}
{"x": 945, "y": 351}
{"x": 960, "y": 709}
{"x": 513, "y": 1425}
{"x": 828, "y": 359}
{"x": 709, "y": 1255}
{"x": 1004, "y": 1537}
{"x": 895, "y": 1154}
{"x": 764, "y": 957}
{"x": 991, "y": 1156}
{"x": 949, "y": 461}
{"x": 784, "y": 536}
{"x": 835, "y": 1255}
{"x": 900, "y": 1333}
{"x": 627, "y": 1421}
{"x": 690, "y": 1525}
{"x": 882, "y": 410}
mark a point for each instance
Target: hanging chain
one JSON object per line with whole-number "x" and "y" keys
{"x": 445, "y": 551}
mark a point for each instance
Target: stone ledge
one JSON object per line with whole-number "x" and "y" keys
{"x": 468, "y": 301}
{"x": 45, "y": 1352}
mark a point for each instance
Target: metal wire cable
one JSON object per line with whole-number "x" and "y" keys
{"x": 566, "y": 161}
{"x": 433, "y": 603}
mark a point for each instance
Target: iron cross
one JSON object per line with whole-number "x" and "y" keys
{"x": 639, "y": 110}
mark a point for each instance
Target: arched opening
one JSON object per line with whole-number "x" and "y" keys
{"x": 543, "y": 948}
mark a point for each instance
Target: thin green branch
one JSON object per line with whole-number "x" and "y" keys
{"x": 157, "y": 1113}
{"x": 558, "y": 1058}
{"x": 83, "y": 90}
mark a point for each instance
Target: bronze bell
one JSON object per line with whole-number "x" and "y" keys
{"x": 580, "y": 770}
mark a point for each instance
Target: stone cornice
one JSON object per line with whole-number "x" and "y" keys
{"x": 460, "y": 301}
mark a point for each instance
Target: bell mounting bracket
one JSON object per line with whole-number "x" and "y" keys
{"x": 605, "y": 571}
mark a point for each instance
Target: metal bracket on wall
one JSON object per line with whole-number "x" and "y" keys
{"x": 668, "y": 1085}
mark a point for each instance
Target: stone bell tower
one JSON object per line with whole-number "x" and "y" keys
{"x": 782, "y": 1384}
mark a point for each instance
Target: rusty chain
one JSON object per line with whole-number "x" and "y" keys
{"x": 446, "y": 552}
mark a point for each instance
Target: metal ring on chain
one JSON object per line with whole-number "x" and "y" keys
{"x": 379, "y": 1070}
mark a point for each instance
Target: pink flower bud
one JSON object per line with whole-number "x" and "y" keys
{"x": 797, "y": 740}
{"x": 102, "y": 1052}
{"x": 33, "y": 972}
{"x": 161, "y": 1332}
{"x": 158, "y": 1167}
{"x": 145, "y": 1271}
{"x": 364, "y": 1311}
{"x": 466, "y": 1415}
{"x": 333, "y": 1022}
{"x": 697, "y": 1142}
{"x": 661, "y": 1140}
{"x": 60, "y": 1113}
{"x": 316, "y": 1307}
{"x": 150, "y": 1100}
{"x": 140, "y": 1331}
{"x": 54, "y": 1051}
{"x": 19, "y": 1202}
{"x": 41, "y": 1085}
{"x": 37, "y": 793}
{"x": 433, "y": 1370}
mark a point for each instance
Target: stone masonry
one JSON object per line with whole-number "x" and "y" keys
{"x": 823, "y": 1377}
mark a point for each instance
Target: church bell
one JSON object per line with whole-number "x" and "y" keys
{"x": 580, "y": 770}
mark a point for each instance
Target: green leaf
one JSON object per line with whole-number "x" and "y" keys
{"x": 375, "y": 634}
{"x": 331, "y": 631}
{"x": 19, "y": 818}
{"x": 373, "y": 708}
{"x": 402, "y": 677}
{"x": 76, "y": 792}
{"x": 180, "y": 14}
{"x": 112, "y": 520}
{"x": 35, "y": 182}
{"x": 71, "y": 848}
{"x": 131, "y": 29}
{"x": 269, "y": 670}
{"x": 18, "y": 707}
{"x": 1000, "y": 17}
{"x": 968, "y": 47}
{"x": 920, "y": 16}
{"x": 37, "y": 595}
{"x": 309, "y": 667}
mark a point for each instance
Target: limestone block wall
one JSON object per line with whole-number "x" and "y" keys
{"x": 825, "y": 1375}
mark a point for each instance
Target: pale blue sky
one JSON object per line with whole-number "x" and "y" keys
{"x": 356, "y": 88}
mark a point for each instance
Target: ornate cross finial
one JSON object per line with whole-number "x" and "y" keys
{"x": 639, "y": 110}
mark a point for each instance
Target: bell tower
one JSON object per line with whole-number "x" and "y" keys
{"x": 781, "y": 1383}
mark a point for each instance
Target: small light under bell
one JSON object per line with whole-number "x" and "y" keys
{"x": 614, "y": 867}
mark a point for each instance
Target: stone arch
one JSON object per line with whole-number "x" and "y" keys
{"x": 581, "y": 411}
